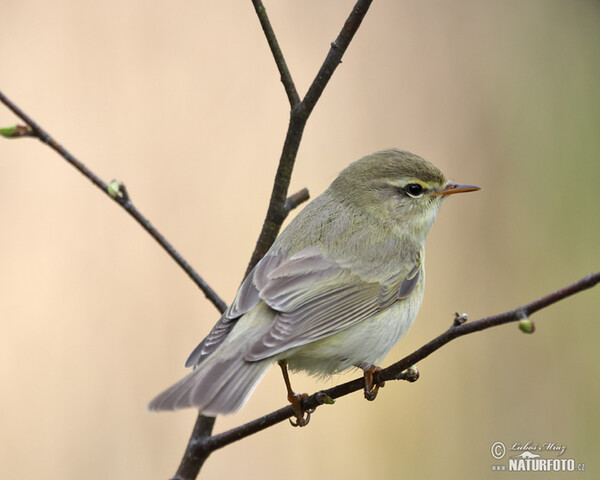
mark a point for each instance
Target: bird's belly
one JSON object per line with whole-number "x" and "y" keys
{"x": 361, "y": 345}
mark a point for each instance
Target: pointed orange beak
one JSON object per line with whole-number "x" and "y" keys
{"x": 452, "y": 188}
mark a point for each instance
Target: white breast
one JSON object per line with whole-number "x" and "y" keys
{"x": 362, "y": 345}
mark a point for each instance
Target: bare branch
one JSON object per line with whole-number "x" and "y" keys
{"x": 296, "y": 199}
{"x": 279, "y": 206}
{"x": 299, "y": 115}
{"x": 286, "y": 77}
{"x": 196, "y": 453}
{"x": 119, "y": 195}
{"x": 334, "y": 57}
{"x": 400, "y": 370}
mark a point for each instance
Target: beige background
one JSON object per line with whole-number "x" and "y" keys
{"x": 182, "y": 101}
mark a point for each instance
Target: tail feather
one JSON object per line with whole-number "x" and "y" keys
{"x": 216, "y": 387}
{"x": 235, "y": 393}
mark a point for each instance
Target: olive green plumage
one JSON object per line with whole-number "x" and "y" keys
{"x": 338, "y": 288}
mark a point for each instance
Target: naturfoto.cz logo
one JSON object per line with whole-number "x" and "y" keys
{"x": 528, "y": 460}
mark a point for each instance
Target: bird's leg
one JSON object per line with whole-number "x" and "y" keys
{"x": 295, "y": 399}
{"x": 371, "y": 388}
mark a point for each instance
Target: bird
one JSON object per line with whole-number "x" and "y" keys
{"x": 338, "y": 288}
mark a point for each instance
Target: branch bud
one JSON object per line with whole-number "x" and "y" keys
{"x": 16, "y": 131}
{"x": 114, "y": 188}
{"x": 526, "y": 325}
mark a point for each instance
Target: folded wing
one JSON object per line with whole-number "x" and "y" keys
{"x": 316, "y": 298}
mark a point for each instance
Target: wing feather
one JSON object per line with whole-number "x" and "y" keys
{"x": 246, "y": 299}
{"x": 315, "y": 298}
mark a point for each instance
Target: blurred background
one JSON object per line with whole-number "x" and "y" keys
{"x": 182, "y": 101}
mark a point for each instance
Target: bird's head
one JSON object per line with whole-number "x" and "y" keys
{"x": 397, "y": 188}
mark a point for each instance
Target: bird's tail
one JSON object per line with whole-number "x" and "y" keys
{"x": 217, "y": 386}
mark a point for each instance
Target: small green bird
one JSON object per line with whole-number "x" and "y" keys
{"x": 337, "y": 289}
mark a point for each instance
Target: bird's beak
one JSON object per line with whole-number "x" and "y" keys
{"x": 452, "y": 188}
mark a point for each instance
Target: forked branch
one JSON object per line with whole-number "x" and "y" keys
{"x": 299, "y": 115}
{"x": 196, "y": 452}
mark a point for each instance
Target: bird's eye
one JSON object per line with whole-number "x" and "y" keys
{"x": 414, "y": 189}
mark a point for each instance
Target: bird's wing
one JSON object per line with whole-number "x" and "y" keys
{"x": 245, "y": 300}
{"x": 315, "y": 297}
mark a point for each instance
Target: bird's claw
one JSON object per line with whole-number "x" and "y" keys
{"x": 372, "y": 387}
{"x": 302, "y": 416}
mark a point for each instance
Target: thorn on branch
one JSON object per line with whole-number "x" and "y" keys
{"x": 17, "y": 131}
{"x": 459, "y": 319}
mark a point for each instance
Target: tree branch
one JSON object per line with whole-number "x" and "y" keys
{"x": 397, "y": 370}
{"x": 286, "y": 77}
{"x": 115, "y": 190}
{"x": 299, "y": 115}
{"x": 197, "y": 452}
{"x": 194, "y": 455}
{"x": 296, "y": 199}
{"x": 279, "y": 206}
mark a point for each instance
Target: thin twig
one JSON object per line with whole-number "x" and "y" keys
{"x": 123, "y": 200}
{"x": 286, "y": 77}
{"x": 276, "y": 212}
{"x": 334, "y": 57}
{"x": 296, "y": 199}
{"x": 395, "y": 371}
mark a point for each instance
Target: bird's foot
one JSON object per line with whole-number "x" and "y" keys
{"x": 372, "y": 387}
{"x": 302, "y": 416}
